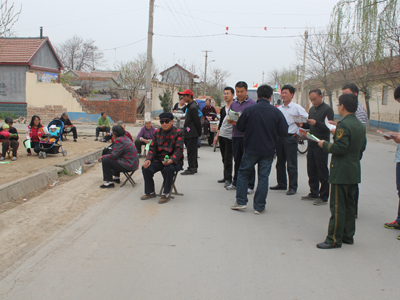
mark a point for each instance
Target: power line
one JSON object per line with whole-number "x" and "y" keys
{"x": 123, "y": 46}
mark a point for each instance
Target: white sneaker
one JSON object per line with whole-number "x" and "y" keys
{"x": 14, "y": 158}
{"x": 2, "y": 158}
{"x": 237, "y": 206}
{"x": 231, "y": 187}
{"x": 250, "y": 191}
{"x": 256, "y": 212}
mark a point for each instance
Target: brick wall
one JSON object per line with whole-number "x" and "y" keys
{"x": 117, "y": 110}
{"x": 46, "y": 113}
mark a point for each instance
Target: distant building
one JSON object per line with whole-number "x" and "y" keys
{"x": 19, "y": 56}
{"x": 178, "y": 76}
{"x": 94, "y": 80}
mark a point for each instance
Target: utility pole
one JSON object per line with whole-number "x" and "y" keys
{"x": 303, "y": 100}
{"x": 149, "y": 63}
{"x": 297, "y": 84}
{"x": 205, "y": 72}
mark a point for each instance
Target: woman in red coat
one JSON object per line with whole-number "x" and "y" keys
{"x": 33, "y": 133}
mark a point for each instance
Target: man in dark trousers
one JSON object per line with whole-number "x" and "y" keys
{"x": 345, "y": 173}
{"x": 317, "y": 159}
{"x": 192, "y": 131}
{"x": 262, "y": 123}
{"x": 68, "y": 126}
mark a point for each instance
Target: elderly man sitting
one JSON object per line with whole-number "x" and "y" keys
{"x": 165, "y": 155}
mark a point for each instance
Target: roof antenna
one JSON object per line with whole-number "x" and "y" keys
{"x": 41, "y": 32}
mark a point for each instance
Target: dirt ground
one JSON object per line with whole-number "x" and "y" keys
{"x": 27, "y": 165}
{"x": 27, "y": 225}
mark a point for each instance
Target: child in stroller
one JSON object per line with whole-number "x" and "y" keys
{"x": 52, "y": 143}
{"x": 52, "y": 136}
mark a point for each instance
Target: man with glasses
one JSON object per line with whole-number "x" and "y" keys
{"x": 165, "y": 155}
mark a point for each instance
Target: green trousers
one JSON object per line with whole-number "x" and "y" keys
{"x": 342, "y": 224}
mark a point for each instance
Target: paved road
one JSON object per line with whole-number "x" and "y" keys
{"x": 195, "y": 247}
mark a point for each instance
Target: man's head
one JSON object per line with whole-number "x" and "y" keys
{"x": 121, "y": 123}
{"x": 228, "y": 94}
{"x": 187, "y": 95}
{"x": 264, "y": 91}
{"x": 64, "y": 115}
{"x": 6, "y": 127}
{"x": 118, "y": 131}
{"x": 316, "y": 97}
{"x": 166, "y": 121}
{"x": 9, "y": 121}
{"x": 396, "y": 94}
{"x": 347, "y": 104}
{"x": 53, "y": 128}
{"x": 241, "y": 90}
{"x": 350, "y": 88}
{"x": 208, "y": 102}
{"x": 147, "y": 124}
{"x": 287, "y": 93}
{"x": 103, "y": 114}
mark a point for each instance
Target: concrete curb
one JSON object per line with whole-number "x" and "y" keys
{"x": 19, "y": 188}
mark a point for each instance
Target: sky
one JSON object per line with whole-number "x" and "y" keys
{"x": 183, "y": 29}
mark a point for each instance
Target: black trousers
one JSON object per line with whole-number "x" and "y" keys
{"x": 167, "y": 173}
{"x": 111, "y": 167}
{"x": 34, "y": 146}
{"x": 98, "y": 129}
{"x": 191, "y": 147}
{"x": 225, "y": 146}
{"x": 318, "y": 172}
{"x": 73, "y": 130}
{"x": 238, "y": 150}
{"x": 13, "y": 144}
{"x": 138, "y": 145}
{"x": 357, "y": 193}
{"x": 286, "y": 152}
{"x": 206, "y": 126}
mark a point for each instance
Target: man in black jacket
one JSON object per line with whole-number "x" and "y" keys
{"x": 262, "y": 123}
{"x": 317, "y": 160}
{"x": 192, "y": 131}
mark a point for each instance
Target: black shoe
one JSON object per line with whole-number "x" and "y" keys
{"x": 327, "y": 246}
{"x": 227, "y": 183}
{"x": 117, "y": 180}
{"x": 319, "y": 201}
{"x": 75, "y": 140}
{"x": 290, "y": 192}
{"x": 194, "y": 170}
{"x": 309, "y": 197}
{"x": 187, "y": 172}
{"x": 103, "y": 186}
{"x": 96, "y": 139}
{"x": 221, "y": 180}
{"x": 278, "y": 187}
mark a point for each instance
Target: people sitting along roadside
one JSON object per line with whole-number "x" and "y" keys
{"x": 345, "y": 173}
{"x": 395, "y": 136}
{"x": 33, "y": 133}
{"x": 123, "y": 158}
{"x": 103, "y": 125}
{"x": 52, "y": 136}
{"x": 165, "y": 155}
{"x": 11, "y": 142}
{"x": 68, "y": 126}
{"x": 144, "y": 136}
{"x": 262, "y": 124}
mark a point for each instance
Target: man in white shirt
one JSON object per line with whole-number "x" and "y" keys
{"x": 286, "y": 148}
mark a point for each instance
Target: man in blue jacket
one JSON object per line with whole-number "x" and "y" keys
{"x": 262, "y": 124}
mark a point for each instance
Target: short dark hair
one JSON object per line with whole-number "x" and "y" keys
{"x": 264, "y": 91}
{"x": 118, "y": 130}
{"x": 349, "y": 101}
{"x": 8, "y": 120}
{"x": 317, "y": 91}
{"x": 353, "y": 88}
{"x": 208, "y": 99}
{"x": 289, "y": 87}
{"x": 228, "y": 88}
{"x": 33, "y": 119}
{"x": 397, "y": 93}
{"x": 64, "y": 114}
{"x": 241, "y": 84}
{"x": 102, "y": 113}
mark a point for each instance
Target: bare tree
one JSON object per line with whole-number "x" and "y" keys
{"x": 282, "y": 77}
{"x": 8, "y": 17}
{"x": 133, "y": 73}
{"x": 81, "y": 55}
{"x": 216, "y": 85}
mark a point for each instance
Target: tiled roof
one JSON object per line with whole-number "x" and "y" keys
{"x": 179, "y": 66}
{"x": 19, "y": 50}
{"x": 105, "y": 74}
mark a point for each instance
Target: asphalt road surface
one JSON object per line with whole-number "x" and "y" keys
{"x": 196, "y": 247}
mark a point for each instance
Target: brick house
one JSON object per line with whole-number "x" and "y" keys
{"x": 19, "y": 56}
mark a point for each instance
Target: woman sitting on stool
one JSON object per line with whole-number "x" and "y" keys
{"x": 123, "y": 158}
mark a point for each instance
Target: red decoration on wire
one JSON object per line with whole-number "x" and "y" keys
{"x": 265, "y": 28}
{"x": 227, "y": 28}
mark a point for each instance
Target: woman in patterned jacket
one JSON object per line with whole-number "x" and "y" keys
{"x": 123, "y": 158}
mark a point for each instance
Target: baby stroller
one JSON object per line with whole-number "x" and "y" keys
{"x": 54, "y": 147}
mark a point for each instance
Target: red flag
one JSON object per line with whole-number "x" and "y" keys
{"x": 256, "y": 85}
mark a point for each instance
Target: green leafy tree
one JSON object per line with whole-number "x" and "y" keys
{"x": 166, "y": 100}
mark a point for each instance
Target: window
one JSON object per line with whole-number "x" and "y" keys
{"x": 385, "y": 93}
